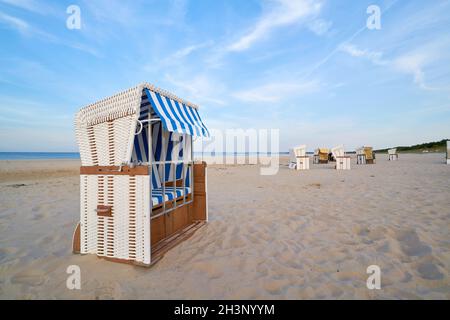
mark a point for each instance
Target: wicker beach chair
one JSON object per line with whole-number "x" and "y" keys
{"x": 342, "y": 161}
{"x": 298, "y": 158}
{"x": 320, "y": 155}
{"x": 141, "y": 192}
{"x": 365, "y": 155}
{"x": 392, "y": 154}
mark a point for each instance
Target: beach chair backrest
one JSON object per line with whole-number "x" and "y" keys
{"x": 360, "y": 150}
{"x": 338, "y": 151}
{"x": 323, "y": 154}
{"x": 368, "y": 152}
{"x": 448, "y": 149}
{"x": 291, "y": 155}
{"x": 300, "y": 151}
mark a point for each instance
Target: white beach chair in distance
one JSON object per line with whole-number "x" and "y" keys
{"x": 316, "y": 156}
{"x": 298, "y": 158}
{"x": 448, "y": 151}
{"x": 392, "y": 154}
{"x": 365, "y": 155}
{"x": 342, "y": 161}
{"x": 360, "y": 156}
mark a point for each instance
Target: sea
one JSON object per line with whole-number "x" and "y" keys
{"x": 38, "y": 155}
{"x": 76, "y": 155}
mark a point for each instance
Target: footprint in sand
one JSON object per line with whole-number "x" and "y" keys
{"x": 384, "y": 247}
{"x": 406, "y": 277}
{"x": 429, "y": 271}
{"x": 411, "y": 244}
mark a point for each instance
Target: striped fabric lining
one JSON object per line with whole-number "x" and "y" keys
{"x": 140, "y": 153}
{"x": 175, "y": 116}
{"x": 176, "y": 145}
{"x": 171, "y": 193}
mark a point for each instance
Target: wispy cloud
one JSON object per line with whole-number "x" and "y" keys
{"x": 189, "y": 49}
{"x": 14, "y": 23}
{"x": 375, "y": 57}
{"x": 280, "y": 13}
{"x": 336, "y": 49}
{"x": 277, "y": 91}
{"x": 178, "y": 56}
{"x": 31, "y": 5}
{"x": 120, "y": 13}
{"x": 25, "y": 29}
{"x": 201, "y": 89}
{"x": 176, "y": 59}
{"x": 128, "y": 16}
{"x": 413, "y": 64}
{"x": 82, "y": 47}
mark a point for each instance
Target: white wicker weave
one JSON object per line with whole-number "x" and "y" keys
{"x": 448, "y": 152}
{"x": 298, "y": 159}
{"x": 342, "y": 161}
{"x": 392, "y": 154}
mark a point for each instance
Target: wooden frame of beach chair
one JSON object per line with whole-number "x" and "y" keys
{"x": 392, "y": 154}
{"x": 320, "y": 156}
{"x": 342, "y": 161}
{"x": 140, "y": 191}
{"x": 365, "y": 155}
{"x": 298, "y": 158}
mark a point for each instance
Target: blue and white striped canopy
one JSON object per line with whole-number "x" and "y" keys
{"x": 176, "y": 116}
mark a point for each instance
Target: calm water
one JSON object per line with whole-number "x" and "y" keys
{"x": 38, "y": 155}
{"x": 76, "y": 155}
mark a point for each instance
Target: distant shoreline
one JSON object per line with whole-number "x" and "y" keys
{"x": 73, "y": 156}
{"x": 39, "y": 155}
{"x": 76, "y": 155}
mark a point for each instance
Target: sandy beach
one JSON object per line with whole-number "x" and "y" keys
{"x": 294, "y": 235}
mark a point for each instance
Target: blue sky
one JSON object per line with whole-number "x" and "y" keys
{"x": 310, "y": 68}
